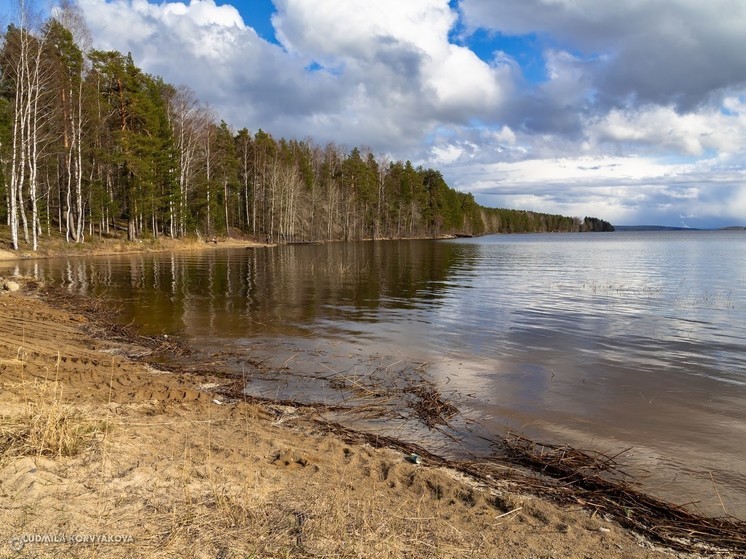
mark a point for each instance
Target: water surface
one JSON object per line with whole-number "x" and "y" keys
{"x": 606, "y": 341}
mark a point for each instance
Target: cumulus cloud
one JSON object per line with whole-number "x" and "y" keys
{"x": 662, "y": 128}
{"x": 209, "y": 48}
{"x": 675, "y": 51}
{"x": 400, "y": 52}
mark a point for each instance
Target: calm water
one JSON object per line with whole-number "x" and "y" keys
{"x": 605, "y": 341}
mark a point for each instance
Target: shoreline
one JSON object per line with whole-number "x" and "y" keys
{"x": 57, "y": 247}
{"x": 107, "y": 247}
{"x": 185, "y": 451}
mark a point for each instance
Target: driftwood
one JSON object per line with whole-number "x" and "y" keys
{"x": 595, "y": 481}
{"x": 429, "y": 406}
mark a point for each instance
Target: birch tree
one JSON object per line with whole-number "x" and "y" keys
{"x": 24, "y": 73}
{"x": 185, "y": 116}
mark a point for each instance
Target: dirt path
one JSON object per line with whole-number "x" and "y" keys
{"x": 105, "y": 457}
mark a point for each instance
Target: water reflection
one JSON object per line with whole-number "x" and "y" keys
{"x": 260, "y": 291}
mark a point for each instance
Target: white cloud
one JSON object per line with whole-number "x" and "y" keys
{"x": 591, "y": 171}
{"x": 662, "y": 128}
{"x": 446, "y": 154}
{"x": 462, "y": 79}
{"x": 654, "y": 125}
{"x": 675, "y": 51}
{"x": 208, "y": 47}
{"x": 354, "y": 28}
{"x": 409, "y": 39}
{"x": 504, "y": 135}
{"x": 621, "y": 189}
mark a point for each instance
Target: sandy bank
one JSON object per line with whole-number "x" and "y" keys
{"x": 104, "y": 456}
{"x": 8, "y": 255}
{"x": 50, "y": 248}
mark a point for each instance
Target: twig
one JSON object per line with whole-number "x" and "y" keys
{"x": 725, "y": 512}
{"x": 509, "y": 512}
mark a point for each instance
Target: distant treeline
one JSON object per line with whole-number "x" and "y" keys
{"x": 90, "y": 144}
{"x": 498, "y": 220}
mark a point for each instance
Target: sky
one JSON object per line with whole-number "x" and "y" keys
{"x": 633, "y": 111}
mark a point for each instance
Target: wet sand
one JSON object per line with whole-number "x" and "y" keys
{"x": 163, "y": 465}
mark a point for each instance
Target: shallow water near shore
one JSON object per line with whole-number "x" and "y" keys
{"x": 603, "y": 341}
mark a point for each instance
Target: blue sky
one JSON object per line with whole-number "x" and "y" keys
{"x": 257, "y": 14}
{"x": 632, "y": 111}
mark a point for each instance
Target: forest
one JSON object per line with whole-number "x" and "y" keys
{"x": 90, "y": 145}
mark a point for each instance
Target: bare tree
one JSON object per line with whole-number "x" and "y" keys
{"x": 187, "y": 119}
{"x": 23, "y": 52}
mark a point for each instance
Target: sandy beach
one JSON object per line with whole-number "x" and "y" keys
{"x": 104, "y": 455}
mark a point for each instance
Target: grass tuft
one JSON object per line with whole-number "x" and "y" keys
{"x": 48, "y": 427}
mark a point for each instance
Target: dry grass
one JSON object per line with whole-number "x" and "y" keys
{"x": 47, "y": 426}
{"x": 326, "y": 522}
{"x": 116, "y": 243}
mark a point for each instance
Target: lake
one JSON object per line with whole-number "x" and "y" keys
{"x": 628, "y": 340}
